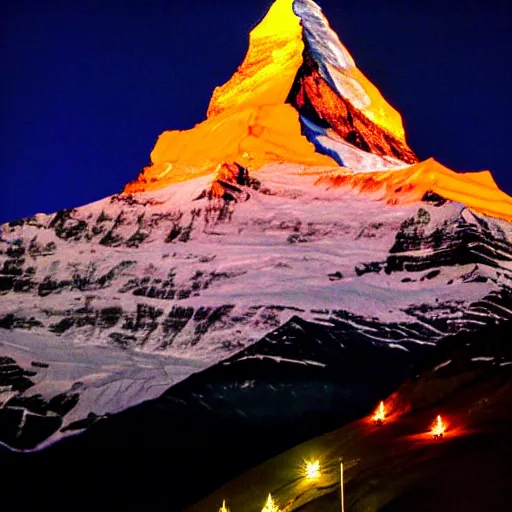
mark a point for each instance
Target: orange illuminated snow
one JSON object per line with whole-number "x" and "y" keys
{"x": 272, "y": 61}
{"x": 476, "y": 190}
{"x": 251, "y": 137}
{"x": 250, "y": 123}
{"x": 248, "y": 120}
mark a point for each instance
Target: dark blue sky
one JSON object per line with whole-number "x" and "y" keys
{"x": 87, "y": 86}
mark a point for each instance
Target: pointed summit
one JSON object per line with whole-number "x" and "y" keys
{"x": 299, "y": 98}
{"x": 269, "y": 69}
{"x": 295, "y": 57}
{"x": 287, "y": 84}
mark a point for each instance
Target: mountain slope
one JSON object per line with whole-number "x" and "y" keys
{"x": 298, "y": 97}
{"x": 194, "y": 275}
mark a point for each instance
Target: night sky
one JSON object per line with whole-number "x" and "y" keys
{"x": 87, "y": 86}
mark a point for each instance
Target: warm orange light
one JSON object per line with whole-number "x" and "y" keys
{"x": 250, "y": 124}
{"x": 251, "y": 137}
{"x": 312, "y": 469}
{"x": 477, "y": 190}
{"x": 267, "y": 73}
{"x": 270, "y": 505}
{"x": 439, "y": 428}
{"x": 380, "y": 414}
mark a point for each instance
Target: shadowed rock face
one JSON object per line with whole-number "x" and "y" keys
{"x": 315, "y": 99}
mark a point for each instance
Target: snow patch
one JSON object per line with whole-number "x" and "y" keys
{"x": 442, "y": 365}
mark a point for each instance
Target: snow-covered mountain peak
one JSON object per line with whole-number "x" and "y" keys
{"x": 298, "y": 98}
{"x": 296, "y": 76}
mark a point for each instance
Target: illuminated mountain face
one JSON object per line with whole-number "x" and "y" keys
{"x": 296, "y": 71}
{"x": 295, "y": 207}
{"x": 299, "y": 98}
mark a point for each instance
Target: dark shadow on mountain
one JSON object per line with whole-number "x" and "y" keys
{"x": 300, "y": 381}
{"x": 399, "y": 466}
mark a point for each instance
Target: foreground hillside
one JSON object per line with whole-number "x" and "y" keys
{"x": 223, "y": 421}
{"x": 399, "y": 467}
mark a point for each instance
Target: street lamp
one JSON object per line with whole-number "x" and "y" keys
{"x": 312, "y": 469}
{"x": 341, "y": 488}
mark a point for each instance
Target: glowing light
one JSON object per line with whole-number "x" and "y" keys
{"x": 439, "y": 428}
{"x": 380, "y": 414}
{"x": 270, "y": 505}
{"x": 312, "y": 469}
{"x": 224, "y": 508}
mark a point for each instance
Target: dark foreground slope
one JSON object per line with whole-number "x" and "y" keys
{"x": 298, "y": 382}
{"x": 399, "y": 467}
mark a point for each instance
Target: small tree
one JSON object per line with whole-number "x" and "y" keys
{"x": 224, "y": 508}
{"x": 270, "y": 505}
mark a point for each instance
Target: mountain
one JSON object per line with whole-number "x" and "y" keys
{"x": 275, "y": 272}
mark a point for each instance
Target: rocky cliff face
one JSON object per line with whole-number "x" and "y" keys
{"x": 317, "y": 102}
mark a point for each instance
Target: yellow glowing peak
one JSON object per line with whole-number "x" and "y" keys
{"x": 267, "y": 73}
{"x": 280, "y": 18}
{"x": 249, "y": 123}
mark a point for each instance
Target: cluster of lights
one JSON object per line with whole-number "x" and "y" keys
{"x": 311, "y": 468}
{"x": 270, "y": 506}
{"x": 438, "y": 429}
{"x": 310, "y": 471}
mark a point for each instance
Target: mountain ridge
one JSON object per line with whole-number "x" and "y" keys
{"x": 298, "y": 97}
